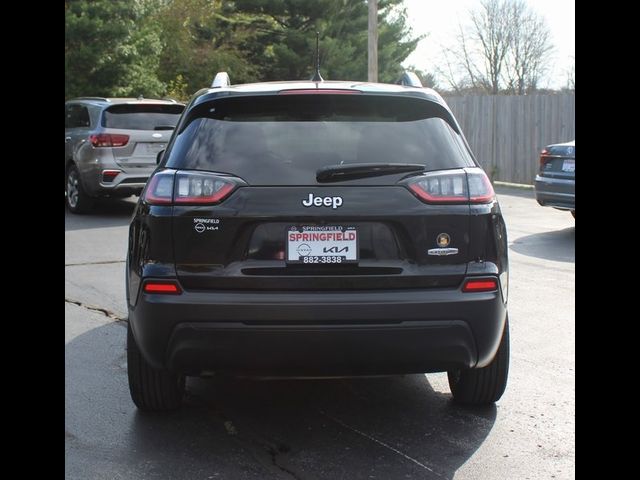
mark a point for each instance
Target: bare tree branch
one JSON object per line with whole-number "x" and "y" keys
{"x": 504, "y": 48}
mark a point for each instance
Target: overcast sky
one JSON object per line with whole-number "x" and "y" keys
{"x": 439, "y": 19}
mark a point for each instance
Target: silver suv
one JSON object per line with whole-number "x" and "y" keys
{"x": 111, "y": 145}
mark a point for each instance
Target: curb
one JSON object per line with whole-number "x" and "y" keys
{"x": 514, "y": 185}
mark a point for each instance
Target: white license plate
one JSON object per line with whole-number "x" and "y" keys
{"x": 146, "y": 149}
{"x": 569, "y": 166}
{"x": 321, "y": 244}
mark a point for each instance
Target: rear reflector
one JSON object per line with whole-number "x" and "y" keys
{"x": 109, "y": 175}
{"x": 109, "y": 140}
{"x": 480, "y": 285}
{"x": 164, "y": 287}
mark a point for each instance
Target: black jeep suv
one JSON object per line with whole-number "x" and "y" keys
{"x": 317, "y": 229}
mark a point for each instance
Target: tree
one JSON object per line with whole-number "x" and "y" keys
{"x": 528, "y": 53}
{"x": 504, "y": 48}
{"x": 155, "y": 47}
{"x": 287, "y": 34}
{"x": 571, "y": 76}
{"x": 106, "y": 53}
{"x": 202, "y": 37}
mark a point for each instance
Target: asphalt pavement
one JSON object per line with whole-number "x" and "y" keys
{"x": 373, "y": 428}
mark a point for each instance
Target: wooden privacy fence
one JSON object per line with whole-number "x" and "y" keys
{"x": 506, "y": 133}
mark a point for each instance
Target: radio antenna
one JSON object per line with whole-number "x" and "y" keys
{"x": 316, "y": 76}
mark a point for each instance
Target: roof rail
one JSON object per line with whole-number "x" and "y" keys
{"x": 102, "y": 99}
{"x": 410, "y": 79}
{"x": 221, "y": 80}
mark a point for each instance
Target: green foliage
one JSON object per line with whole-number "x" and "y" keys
{"x": 177, "y": 89}
{"x": 109, "y": 49}
{"x": 175, "y": 47}
{"x": 287, "y": 36}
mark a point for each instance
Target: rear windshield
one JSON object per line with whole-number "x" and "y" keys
{"x": 285, "y": 139}
{"x": 142, "y": 117}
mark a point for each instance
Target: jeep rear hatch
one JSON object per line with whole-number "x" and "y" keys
{"x": 243, "y": 173}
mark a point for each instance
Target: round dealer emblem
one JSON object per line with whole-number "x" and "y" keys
{"x": 199, "y": 227}
{"x": 443, "y": 240}
{"x": 303, "y": 249}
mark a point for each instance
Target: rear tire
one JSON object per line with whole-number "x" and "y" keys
{"x": 483, "y": 386}
{"x": 78, "y": 201}
{"x": 151, "y": 389}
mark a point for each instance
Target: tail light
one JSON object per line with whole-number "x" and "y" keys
{"x": 188, "y": 188}
{"x": 480, "y": 285}
{"x": 453, "y": 186}
{"x": 166, "y": 287}
{"x": 159, "y": 190}
{"x": 545, "y": 155}
{"x": 108, "y": 140}
{"x": 201, "y": 188}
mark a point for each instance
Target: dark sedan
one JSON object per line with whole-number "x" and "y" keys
{"x": 556, "y": 180}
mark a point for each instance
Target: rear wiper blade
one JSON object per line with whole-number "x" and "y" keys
{"x": 337, "y": 173}
{"x": 164, "y": 127}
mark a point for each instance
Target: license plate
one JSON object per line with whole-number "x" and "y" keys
{"x": 148, "y": 149}
{"x": 569, "y": 166}
{"x": 322, "y": 244}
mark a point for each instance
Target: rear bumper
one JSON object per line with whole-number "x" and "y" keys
{"x": 319, "y": 333}
{"x": 127, "y": 185}
{"x": 556, "y": 192}
{"x": 129, "y": 181}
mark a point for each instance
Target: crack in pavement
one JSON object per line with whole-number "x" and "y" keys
{"x": 106, "y": 262}
{"x": 104, "y": 311}
{"x": 381, "y": 443}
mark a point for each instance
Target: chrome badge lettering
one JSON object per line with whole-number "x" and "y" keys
{"x": 440, "y": 252}
{"x": 333, "y": 202}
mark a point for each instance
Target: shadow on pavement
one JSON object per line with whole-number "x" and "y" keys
{"x": 391, "y": 427}
{"x": 559, "y": 245}
{"x": 106, "y": 213}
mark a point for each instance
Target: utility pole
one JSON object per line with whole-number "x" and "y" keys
{"x": 372, "y": 71}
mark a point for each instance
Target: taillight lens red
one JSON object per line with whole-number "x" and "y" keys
{"x": 169, "y": 287}
{"x": 480, "y": 285}
{"x": 188, "y": 188}
{"x": 545, "y": 155}
{"x": 453, "y": 186}
{"x": 159, "y": 190}
{"x": 480, "y": 188}
{"x": 108, "y": 140}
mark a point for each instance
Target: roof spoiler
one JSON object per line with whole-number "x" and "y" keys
{"x": 221, "y": 80}
{"x": 410, "y": 79}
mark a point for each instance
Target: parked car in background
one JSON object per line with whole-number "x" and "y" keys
{"x": 317, "y": 228}
{"x": 556, "y": 180}
{"x": 111, "y": 146}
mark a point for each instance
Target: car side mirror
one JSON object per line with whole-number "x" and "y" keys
{"x": 159, "y": 156}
